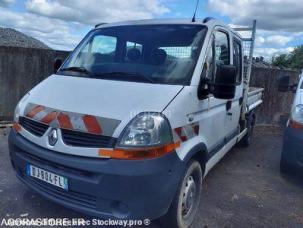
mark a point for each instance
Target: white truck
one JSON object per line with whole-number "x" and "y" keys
{"x": 133, "y": 120}
{"x": 292, "y": 153}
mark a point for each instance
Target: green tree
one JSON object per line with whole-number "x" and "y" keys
{"x": 296, "y": 58}
{"x": 281, "y": 61}
{"x": 293, "y": 60}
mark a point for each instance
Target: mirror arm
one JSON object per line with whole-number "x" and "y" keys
{"x": 57, "y": 64}
{"x": 294, "y": 87}
{"x": 203, "y": 88}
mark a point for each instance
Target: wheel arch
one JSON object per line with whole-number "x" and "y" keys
{"x": 252, "y": 116}
{"x": 199, "y": 153}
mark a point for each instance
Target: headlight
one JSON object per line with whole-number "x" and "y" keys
{"x": 147, "y": 136}
{"x": 18, "y": 108}
{"x": 17, "y": 113}
{"x": 297, "y": 113}
{"x": 146, "y": 129}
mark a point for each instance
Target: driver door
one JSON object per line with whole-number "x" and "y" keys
{"x": 214, "y": 117}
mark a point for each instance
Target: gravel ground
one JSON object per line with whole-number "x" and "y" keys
{"x": 245, "y": 189}
{"x": 13, "y": 38}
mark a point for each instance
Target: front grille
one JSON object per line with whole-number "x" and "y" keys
{"x": 32, "y": 126}
{"x": 81, "y": 139}
{"x": 76, "y": 198}
{"x": 71, "y": 138}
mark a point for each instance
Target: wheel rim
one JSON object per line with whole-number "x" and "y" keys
{"x": 189, "y": 197}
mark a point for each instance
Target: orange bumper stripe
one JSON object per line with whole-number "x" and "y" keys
{"x": 294, "y": 124}
{"x": 92, "y": 124}
{"x": 35, "y": 111}
{"x": 50, "y": 117}
{"x": 140, "y": 153}
{"x": 64, "y": 121}
{"x": 179, "y": 133}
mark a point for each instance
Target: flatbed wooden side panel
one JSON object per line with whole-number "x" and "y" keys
{"x": 254, "y": 98}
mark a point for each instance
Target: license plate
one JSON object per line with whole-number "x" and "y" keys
{"x": 46, "y": 176}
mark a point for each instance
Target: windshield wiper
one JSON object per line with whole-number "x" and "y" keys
{"x": 132, "y": 74}
{"x": 77, "y": 69}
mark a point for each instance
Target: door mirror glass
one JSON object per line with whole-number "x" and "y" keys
{"x": 225, "y": 82}
{"x": 219, "y": 76}
{"x": 283, "y": 84}
{"x": 294, "y": 88}
{"x": 57, "y": 65}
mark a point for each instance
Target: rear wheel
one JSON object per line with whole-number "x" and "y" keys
{"x": 186, "y": 201}
{"x": 246, "y": 140}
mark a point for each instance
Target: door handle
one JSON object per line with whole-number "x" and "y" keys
{"x": 229, "y": 113}
{"x": 228, "y": 105}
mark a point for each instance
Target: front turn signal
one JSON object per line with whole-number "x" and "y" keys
{"x": 16, "y": 127}
{"x": 295, "y": 124}
{"x": 139, "y": 153}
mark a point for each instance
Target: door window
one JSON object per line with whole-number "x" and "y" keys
{"x": 218, "y": 53}
{"x": 237, "y": 57}
{"x": 222, "y": 48}
{"x": 209, "y": 66}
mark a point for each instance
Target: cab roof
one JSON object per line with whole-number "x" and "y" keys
{"x": 209, "y": 22}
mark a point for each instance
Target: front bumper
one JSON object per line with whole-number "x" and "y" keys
{"x": 105, "y": 188}
{"x": 292, "y": 150}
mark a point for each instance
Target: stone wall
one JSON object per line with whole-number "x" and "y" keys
{"x": 276, "y": 105}
{"x": 22, "y": 68}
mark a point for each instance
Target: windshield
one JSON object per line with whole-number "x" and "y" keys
{"x": 145, "y": 53}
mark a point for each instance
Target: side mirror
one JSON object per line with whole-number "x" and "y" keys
{"x": 57, "y": 64}
{"x": 283, "y": 84}
{"x": 224, "y": 86}
{"x": 294, "y": 88}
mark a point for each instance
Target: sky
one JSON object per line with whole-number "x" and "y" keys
{"x": 61, "y": 24}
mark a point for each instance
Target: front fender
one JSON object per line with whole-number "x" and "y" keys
{"x": 199, "y": 152}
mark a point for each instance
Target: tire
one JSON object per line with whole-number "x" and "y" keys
{"x": 186, "y": 201}
{"x": 246, "y": 140}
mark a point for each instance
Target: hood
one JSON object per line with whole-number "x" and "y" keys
{"x": 102, "y": 98}
{"x": 298, "y": 99}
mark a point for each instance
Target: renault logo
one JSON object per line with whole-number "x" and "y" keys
{"x": 53, "y": 137}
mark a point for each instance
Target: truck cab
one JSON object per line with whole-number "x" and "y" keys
{"x": 134, "y": 119}
{"x": 292, "y": 154}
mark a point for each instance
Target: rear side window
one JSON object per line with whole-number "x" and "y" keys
{"x": 133, "y": 52}
{"x": 130, "y": 45}
{"x": 222, "y": 48}
{"x": 237, "y": 57}
{"x": 104, "y": 44}
{"x": 178, "y": 52}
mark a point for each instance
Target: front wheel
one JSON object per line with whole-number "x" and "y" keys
{"x": 186, "y": 201}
